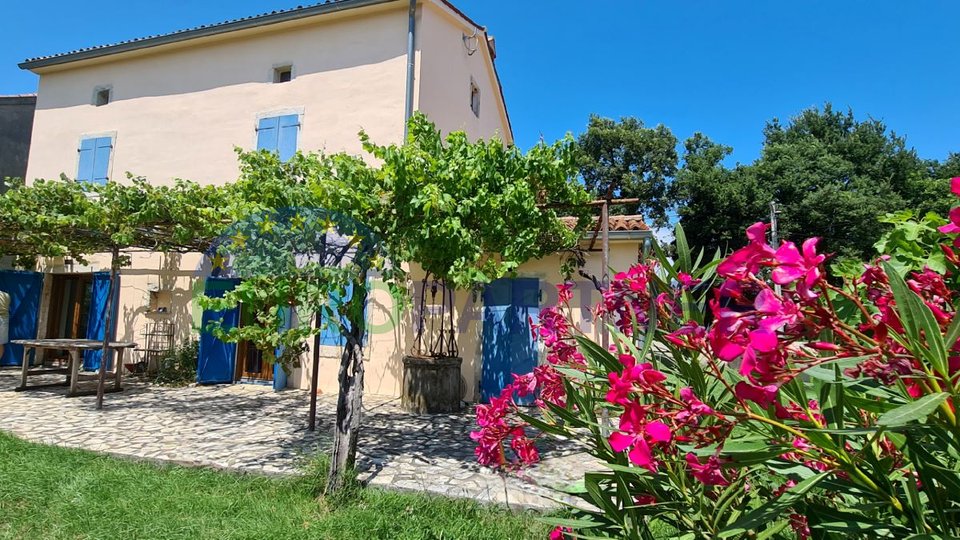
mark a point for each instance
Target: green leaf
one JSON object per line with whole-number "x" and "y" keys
{"x": 915, "y": 410}
{"x": 770, "y": 511}
{"x": 595, "y": 353}
{"x": 918, "y": 321}
{"x": 683, "y": 249}
{"x": 581, "y": 523}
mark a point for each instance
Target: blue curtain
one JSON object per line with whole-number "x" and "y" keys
{"x": 217, "y": 359}
{"x": 24, "y": 289}
{"x": 97, "y": 319}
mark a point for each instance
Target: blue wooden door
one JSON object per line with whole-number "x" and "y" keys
{"x": 509, "y": 306}
{"x": 279, "y": 375}
{"x": 97, "y": 319}
{"x": 216, "y": 359}
{"x": 24, "y": 289}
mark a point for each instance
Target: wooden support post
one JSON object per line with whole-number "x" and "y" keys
{"x": 25, "y": 367}
{"x": 108, "y": 322}
{"x": 118, "y": 370}
{"x": 74, "y": 377}
{"x": 315, "y": 377}
{"x": 605, "y": 281}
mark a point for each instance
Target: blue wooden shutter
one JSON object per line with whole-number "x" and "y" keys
{"x": 94, "y": 163}
{"x": 289, "y": 131}
{"x": 523, "y": 346}
{"x": 101, "y": 160}
{"x": 85, "y": 166}
{"x": 508, "y": 346}
{"x": 279, "y": 374}
{"x": 216, "y": 360}
{"x": 279, "y": 134}
{"x": 331, "y": 335}
{"x": 268, "y": 133}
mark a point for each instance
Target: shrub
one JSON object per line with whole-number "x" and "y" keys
{"x": 178, "y": 367}
{"x": 802, "y": 407}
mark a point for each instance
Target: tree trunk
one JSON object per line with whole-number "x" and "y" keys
{"x": 350, "y": 400}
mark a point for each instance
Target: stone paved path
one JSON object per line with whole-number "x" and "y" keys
{"x": 252, "y": 429}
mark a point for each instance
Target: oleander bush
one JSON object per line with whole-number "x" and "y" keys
{"x": 754, "y": 396}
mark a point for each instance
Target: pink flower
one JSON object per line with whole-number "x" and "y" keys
{"x": 644, "y": 499}
{"x": 800, "y": 526}
{"x": 694, "y": 407}
{"x": 525, "y": 450}
{"x": 639, "y": 377}
{"x": 761, "y": 395}
{"x": 690, "y": 335}
{"x": 687, "y": 281}
{"x": 559, "y": 533}
{"x": 639, "y": 436}
{"x": 709, "y": 473}
{"x": 794, "y": 265}
{"x": 748, "y": 260}
{"x": 551, "y": 386}
{"x": 565, "y": 292}
{"x": 954, "y": 226}
{"x": 726, "y": 337}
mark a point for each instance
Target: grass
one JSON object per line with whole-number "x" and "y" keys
{"x": 51, "y": 492}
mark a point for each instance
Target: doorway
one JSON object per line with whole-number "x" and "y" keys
{"x": 71, "y": 296}
{"x": 510, "y": 306}
{"x": 251, "y": 367}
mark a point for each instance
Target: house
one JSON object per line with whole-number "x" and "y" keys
{"x": 176, "y": 105}
{"x": 16, "y": 124}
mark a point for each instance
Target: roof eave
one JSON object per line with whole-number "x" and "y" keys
{"x": 205, "y": 31}
{"x": 620, "y": 235}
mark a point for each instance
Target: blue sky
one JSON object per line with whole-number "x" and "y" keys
{"x": 720, "y": 67}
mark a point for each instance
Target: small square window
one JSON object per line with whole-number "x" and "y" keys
{"x": 101, "y": 97}
{"x": 283, "y": 74}
{"x": 475, "y": 99}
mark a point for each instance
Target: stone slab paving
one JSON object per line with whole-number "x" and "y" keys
{"x": 250, "y": 428}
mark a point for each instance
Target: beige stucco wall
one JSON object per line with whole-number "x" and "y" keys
{"x": 179, "y": 114}
{"x": 391, "y": 333}
{"x": 179, "y": 111}
{"x": 446, "y": 71}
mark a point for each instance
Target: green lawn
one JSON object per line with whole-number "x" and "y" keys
{"x": 50, "y": 492}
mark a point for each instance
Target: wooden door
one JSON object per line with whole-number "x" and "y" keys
{"x": 68, "y": 310}
{"x": 250, "y": 363}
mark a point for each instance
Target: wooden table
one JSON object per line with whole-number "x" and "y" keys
{"x": 75, "y": 347}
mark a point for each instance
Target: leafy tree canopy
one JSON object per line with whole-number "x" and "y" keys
{"x": 471, "y": 212}
{"x": 832, "y": 176}
{"x": 67, "y": 218}
{"x": 626, "y": 159}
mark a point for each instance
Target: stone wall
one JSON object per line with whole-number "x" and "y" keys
{"x": 16, "y": 126}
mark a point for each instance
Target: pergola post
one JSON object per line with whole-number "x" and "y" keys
{"x": 108, "y": 322}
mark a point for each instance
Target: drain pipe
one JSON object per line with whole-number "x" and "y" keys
{"x": 411, "y": 64}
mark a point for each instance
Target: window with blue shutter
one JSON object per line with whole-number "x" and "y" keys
{"x": 330, "y": 335}
{"x": 94, "y": 163}
{"x": 279, "y": 134}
